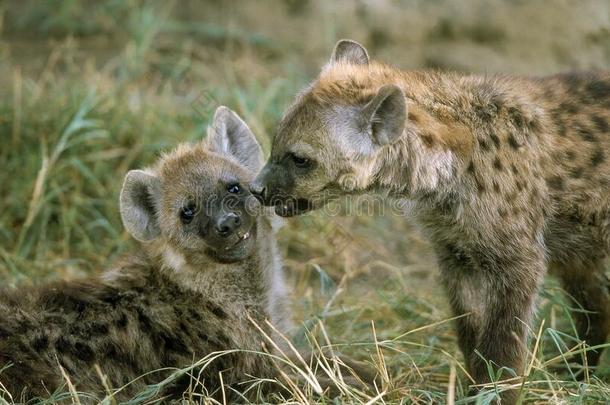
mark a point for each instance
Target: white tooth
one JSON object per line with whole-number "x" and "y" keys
{"x": 246, "y": 235}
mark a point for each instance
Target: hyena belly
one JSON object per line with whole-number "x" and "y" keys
{"x": 141, "y": 323}
{"x": 577, "y": 174}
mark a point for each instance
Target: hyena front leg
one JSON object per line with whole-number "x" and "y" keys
{"x": 456, "y": 267}
{"x": 498, "y": 295}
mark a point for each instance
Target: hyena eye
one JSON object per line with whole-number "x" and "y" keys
{"x": 187, "y": 213}
{"x": 300, "y": 161}
{"x": 234, "y": 188}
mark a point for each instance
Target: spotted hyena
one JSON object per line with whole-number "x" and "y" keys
{"x": 509, "y": 176}
{"x": 206, "y": 266}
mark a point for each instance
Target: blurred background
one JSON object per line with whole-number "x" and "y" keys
{"x": 91, "y": 89}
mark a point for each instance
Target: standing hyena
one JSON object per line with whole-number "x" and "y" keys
{"x": 207, "y": 264}
{"x": 509, "y": 176}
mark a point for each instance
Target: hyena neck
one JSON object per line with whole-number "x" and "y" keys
{"x": 255, "y": 283}
{"x": 424, "y": 160}
{"x": 409, "y": 168}
{"x": 244, "y": 279}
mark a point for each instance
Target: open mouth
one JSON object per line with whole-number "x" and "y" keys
{"x": 292, "y": 207}
{"x": 241, "y": 238}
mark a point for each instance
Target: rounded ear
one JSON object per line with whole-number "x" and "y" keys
{"x": 230, "y": 136}
{"x": 348, "y": 51}
{"x": 138, "y": 205}
{"x": 386, "y": 114}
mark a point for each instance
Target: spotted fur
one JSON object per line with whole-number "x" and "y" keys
{"x": 163, "y": 307}
{"x": 509, "y": 177}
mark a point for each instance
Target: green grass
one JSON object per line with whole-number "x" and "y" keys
{"x": 82, "y": 103}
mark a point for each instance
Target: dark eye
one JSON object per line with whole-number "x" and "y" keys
{"x": 299, "y": 161}
{"x": 187, "y": 214}
{"x": 234, "y": 188}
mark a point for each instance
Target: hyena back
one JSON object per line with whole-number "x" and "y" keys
{"x": 508, "y": 175}
{"x": 206, "y": 269}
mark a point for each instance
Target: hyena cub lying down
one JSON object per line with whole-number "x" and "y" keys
{"x": 509, "y": 176}
{"x": 207, "y": 264}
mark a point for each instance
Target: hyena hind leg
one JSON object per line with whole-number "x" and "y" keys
{"x": 589, "y": 290}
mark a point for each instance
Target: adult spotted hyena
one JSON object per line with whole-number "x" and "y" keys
{"x": 206, "y": 266}
{"x": 508, "y": 175}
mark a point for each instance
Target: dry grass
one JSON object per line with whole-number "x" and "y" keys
{"x": 89, "y": 90}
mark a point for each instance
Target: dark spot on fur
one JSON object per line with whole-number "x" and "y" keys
{"x": 512, "y": 142}
{"x": 570, "y": 155}
{"x": 194, "y": 314}
{"x": 84, "y": 352}
{"x": 568, "y": 107}
{"x": 63, "y": 345}
{"x": 111, "y": 351}
{"x": 456, "y": 254}
{"x": 40, "y": 342}
{"x": 144, "y": 320}
{"x": 428, "y": 139}
{"x": 514, "y": 168}
{"x": 600, "y": 123}
{"x": 495, "y": 140}
{"x": 576, "y": 172}
{"x": 480, "y": 186}
{"x": 223, "y": 340}
{"x": 496, "y": 186}
{"x": 561, "y": 127}
{"x": 516, "y": 211}
{"x": 174, "y": 342}
{"x": 497, "y": 163}
{"x": 519, "y": 185}
{"x": 597, "y": 158}
{"x": 99, "y": 328}
{"x": 586, "y": 135}
{"x": 503, "y": 213}
{"x": 555, "y": 182}
{"x": 483, "y": 112}
{"x": 573, "y": 82}
{"x": 516, "y": 116}
{"x": 122, "y": 321}
{"x": 484, "y": 145}
{"x": 216, "y": 310}
{"x": 511, "y": 196}
{"x": 470, "y": 169}
{"x": 598, "y": 89}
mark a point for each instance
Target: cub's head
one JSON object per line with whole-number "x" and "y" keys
{"x": 194, "y": 204}
{"x": 326, "y": 143}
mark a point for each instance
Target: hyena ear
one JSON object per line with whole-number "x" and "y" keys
{"x": 138, "y": 202}
{"x": 230, "y": 136}
{"x": 386, "y": 114}
{"x": 348, "y": 51}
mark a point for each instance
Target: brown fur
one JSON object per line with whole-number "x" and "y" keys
{"x": 164, "y": 307}
{"x": 509, "y": 176}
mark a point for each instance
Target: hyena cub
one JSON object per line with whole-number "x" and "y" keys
{"x": 207, "y": 265}
{"x": 509, "y": 175}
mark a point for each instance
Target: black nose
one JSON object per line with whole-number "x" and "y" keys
{"x": 227, "y": 224}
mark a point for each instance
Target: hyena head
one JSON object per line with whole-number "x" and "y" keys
{"x": 326, "y": 143}
{"x": 195, "y": 202}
